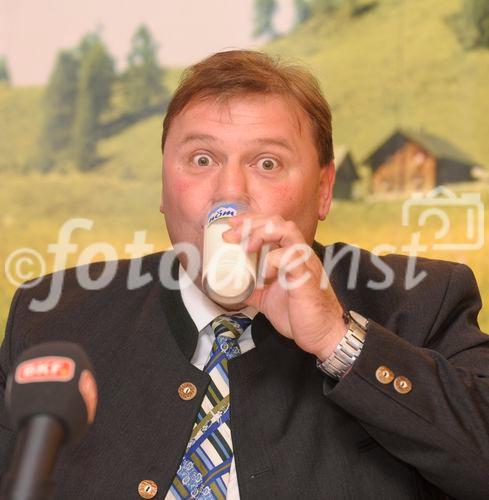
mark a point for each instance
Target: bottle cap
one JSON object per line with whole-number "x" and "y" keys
{"x": 225, "y": 209}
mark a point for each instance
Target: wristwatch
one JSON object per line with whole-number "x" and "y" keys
{"x": 349, "y": 348}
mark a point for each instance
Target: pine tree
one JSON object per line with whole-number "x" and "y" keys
{"x": 59, "y": 107}
{"x": 264, "y": 13}
{"x": 84, "y": 130}
{"x": 477, "y": 15}
{"x": 96, "y": 76}
{"x": 88, "y": 41}
{"x": 303, "y": 10}
{"x": 4, "y": 72}
{"x": 142, "y": 81}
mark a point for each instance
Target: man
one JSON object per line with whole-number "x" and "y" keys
{"x": 390, "y": 400}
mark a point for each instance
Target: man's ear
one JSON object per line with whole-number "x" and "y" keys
{"x": 326, "y": 184}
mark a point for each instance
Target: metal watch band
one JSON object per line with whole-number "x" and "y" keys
{"x": 349, "y": 348}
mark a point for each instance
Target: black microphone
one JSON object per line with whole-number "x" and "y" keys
{"x": 52, "y": 397}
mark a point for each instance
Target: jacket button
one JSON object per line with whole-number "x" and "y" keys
{"x": 402, "y": 385}
{"x": 384, "y": 375}
{"x": 147, "y": 488}
{"x": 187, "y": 391}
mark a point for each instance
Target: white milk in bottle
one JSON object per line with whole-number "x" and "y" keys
{"x": 228, "y": 271}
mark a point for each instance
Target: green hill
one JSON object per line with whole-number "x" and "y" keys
{"x": 399, "y": 64}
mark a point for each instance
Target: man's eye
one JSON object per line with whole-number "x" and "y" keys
{"x": 267, "y": 163}
{"x": 202, "y": 160}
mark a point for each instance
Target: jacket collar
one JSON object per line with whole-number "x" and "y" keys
{"x": 184, "y": 329}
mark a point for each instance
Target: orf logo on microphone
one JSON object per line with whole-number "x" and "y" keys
{"x": 45, "y": 369}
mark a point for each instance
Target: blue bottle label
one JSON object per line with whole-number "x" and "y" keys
{"x": 221, "y": 211}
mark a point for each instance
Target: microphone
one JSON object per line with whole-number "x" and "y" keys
{"x": 51, "y": 397}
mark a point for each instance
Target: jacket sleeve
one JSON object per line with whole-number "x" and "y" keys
{"x": 441, "y": 426}
{"x": 7, "y": 358}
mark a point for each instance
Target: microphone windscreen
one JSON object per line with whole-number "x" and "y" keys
{"x": 53, "y": 378}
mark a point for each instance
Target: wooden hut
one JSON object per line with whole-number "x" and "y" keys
{"x": 409, "y": 161}
{"x": 346, "y": 173}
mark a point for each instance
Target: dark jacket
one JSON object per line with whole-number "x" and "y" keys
{"x": 297, "y": 433}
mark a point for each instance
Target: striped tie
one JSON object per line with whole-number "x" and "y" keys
{"x": 204, "y": 470}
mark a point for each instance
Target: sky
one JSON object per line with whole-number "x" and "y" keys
{"x": 33, "y": 31}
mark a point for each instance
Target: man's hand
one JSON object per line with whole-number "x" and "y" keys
{"x": 291, "y": 296}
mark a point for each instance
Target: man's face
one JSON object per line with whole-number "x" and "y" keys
{"x": 250, "y": 149}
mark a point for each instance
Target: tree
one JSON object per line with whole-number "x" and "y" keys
{"x": 4, "y": 72}
{"x": 303, "y": 10}
{"x": 95, "y": 80}
{"x": 142, "y": 81}
{"x": 59, "y": 107}
{"x": 264, "y": 13}
{"x": 88, "y": 41}
{"x": 477, "y": 15}
{"x": 84, "y": 130}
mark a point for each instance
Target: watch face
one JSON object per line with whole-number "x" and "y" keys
{"x": 359, "y": 319}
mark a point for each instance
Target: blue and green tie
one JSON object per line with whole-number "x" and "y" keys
{"x": 204, "y": 470}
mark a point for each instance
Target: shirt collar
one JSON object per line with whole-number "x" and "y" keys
{"x": 201, "y": 308}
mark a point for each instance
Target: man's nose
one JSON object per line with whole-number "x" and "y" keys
{"x": 231, "y": 182}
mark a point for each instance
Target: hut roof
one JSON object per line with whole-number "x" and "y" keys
{"x": 440, "y": 148}
{"x": 345, "y": 163}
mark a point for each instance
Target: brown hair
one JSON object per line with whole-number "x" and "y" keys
{"x": 226, "y": 74}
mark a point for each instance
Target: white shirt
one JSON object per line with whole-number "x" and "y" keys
{"x": 203, "y": 310}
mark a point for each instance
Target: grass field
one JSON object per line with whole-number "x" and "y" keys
{"x": 398, "y": 65}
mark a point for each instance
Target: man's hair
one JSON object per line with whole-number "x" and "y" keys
{"x": 237, "y": 72}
